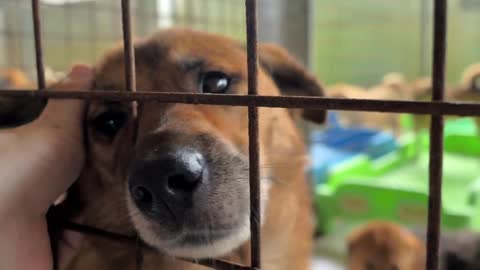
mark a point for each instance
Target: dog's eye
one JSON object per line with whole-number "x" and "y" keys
{"x": 109, "y": 123}
{"x": 214, "y": 82}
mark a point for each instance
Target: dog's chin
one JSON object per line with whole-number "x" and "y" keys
{"x": 198, "y": 246}
{"x": 190, "y": 244}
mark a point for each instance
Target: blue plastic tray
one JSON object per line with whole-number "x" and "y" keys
{"x": 337, "y": 144}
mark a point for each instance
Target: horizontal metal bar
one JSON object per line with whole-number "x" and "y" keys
{"x": 220, "y": 264}
{"x": 37, "y": 31}
{"x": 365, "y": 105}
{"x": 97, "y": 232}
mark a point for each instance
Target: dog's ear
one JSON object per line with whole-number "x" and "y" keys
{"x": 292, "y": 78}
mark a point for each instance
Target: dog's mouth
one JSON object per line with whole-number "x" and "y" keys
{"x": 188, "y": 239}
{"x": 190, "y": 199}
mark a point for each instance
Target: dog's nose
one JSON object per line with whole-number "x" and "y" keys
{"x": 170, "y": 178}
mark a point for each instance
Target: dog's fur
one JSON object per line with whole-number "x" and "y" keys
{"x": 381, "y": 245}
{"x": 384, "y": 245}
{"x": 171, "y": 61}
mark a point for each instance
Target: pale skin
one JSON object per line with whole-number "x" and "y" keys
{"x": 39, "y": 161}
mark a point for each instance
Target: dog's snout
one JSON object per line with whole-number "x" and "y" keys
{"x": 170, "y": 178}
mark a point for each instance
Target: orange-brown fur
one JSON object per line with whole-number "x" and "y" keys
{"x": 384, "y": 246}
{"x": 15, "y": 78}
{"x": 97, "y": 198}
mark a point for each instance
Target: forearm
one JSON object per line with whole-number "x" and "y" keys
{"x": 24, "y": 244}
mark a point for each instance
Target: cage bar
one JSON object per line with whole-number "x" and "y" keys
{"x": 37, "y": 32}
{"x": 436, "y": 135}
{"x": 135, "y": 241}
{"x": 290, "y": 102}
{"x": 253, "y": 144}
{"x": 129, "y": 54}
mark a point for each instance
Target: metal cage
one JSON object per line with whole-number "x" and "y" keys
{"x": 437, "y": 108}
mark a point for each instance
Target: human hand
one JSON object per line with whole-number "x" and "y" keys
{"x": 38, "y": 162}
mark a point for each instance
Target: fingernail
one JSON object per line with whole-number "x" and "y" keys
{"x": 81, "y": 72}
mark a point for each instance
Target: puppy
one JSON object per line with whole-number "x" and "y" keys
{"x": 468, "y": 90}
{"x": 13, "y": 78}
{"x": 389, "y": 89}
{"x": 384, "y": 246}
{"x": 177, "y": 175}
{"x": 394, "y": 79}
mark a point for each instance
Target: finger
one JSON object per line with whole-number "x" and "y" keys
{"x": 68, "y": 113}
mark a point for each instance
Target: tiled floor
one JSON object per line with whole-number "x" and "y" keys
{"x": 330, "y": 250}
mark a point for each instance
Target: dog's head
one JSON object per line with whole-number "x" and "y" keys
{"x": 178, "y": 174}
{"x": 384, "y": 246}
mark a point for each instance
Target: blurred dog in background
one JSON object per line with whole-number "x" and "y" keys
{"x": 381, "y": 245}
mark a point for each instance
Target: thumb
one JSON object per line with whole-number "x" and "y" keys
{"x": 68, "y": 113}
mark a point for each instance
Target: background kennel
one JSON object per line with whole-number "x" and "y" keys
{"x": 336, "y": 38}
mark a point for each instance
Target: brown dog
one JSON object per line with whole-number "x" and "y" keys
{"x": 382, "y": 121}
{"x": 468, "y": 90}
{"x": 179, "y": 177}
{"x": 395, "y": 87}
{"x": 384, "y": 246}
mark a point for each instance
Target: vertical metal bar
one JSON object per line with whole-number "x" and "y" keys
{"x": 128, "y": 47}
{"x": 188, "y": 15}
{"x": 68, "y": 27}
{"x": 37, "y": 30}
{"x": 309, "y": 10}
{"x": 92, "y": 29}
{"x": 424, "y": 10}
{"x": 251, "y": 21}
{"x": 436, "y": 135}
{"x": 13, "y": 35}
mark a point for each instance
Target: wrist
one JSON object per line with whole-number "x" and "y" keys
{"x": 24, "y": 244}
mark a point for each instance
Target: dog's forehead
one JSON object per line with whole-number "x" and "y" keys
{"x": 174, "y": 50}
{"x": 185, "y": 42}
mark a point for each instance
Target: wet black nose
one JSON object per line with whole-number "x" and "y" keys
{"x": 167, "y": 181}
